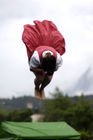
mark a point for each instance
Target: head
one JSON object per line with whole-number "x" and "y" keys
{"x": 48, "y": 63}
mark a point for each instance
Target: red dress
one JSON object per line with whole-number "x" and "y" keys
{"x": 43, "y": 33}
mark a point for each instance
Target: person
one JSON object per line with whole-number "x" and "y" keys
{"x": 45, "y": 45}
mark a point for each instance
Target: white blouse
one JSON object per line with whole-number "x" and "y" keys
{"x": 35, "y": 61}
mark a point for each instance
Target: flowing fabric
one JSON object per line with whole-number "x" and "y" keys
{"x": 43, "y": 33}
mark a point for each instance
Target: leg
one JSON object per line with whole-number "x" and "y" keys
{"x": 45, "y": 82}
{"x": 38, "y": 81}
{"x": 42, "y": 94}
{"x": 37, "y": 94}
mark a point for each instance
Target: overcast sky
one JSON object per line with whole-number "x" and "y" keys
{"x": 74, "y": 19}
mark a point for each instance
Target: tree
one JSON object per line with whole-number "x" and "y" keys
{"x": 78, "y": 114}
{"x": 3, "y": 115}
{"x": 54, "y": 108}
{"x": 20, "y": 116}
{"x": 83, "y": 115}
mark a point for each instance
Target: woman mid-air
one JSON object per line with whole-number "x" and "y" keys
{"x": 45, "y": 45}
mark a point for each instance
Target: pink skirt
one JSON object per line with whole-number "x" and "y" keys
{"x": 41, "y": 34}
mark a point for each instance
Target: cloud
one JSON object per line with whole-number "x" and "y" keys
{"x": 84, "y": 83}
{"x": 18, "y": 8}
{"x": 74, "y": 20}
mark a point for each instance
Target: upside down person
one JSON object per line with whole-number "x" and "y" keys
{"x": 45, "y": 45}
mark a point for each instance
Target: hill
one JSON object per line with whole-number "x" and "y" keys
{"x": 24, "y": 102}
{"x": 21, "y": 103}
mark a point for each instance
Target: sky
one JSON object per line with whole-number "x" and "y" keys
{"x": 73, "y": 18}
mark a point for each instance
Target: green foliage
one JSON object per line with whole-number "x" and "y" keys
{"x": 16, "y": 115}
{"x": 78, "y": 114}
{"x": 83, "y": 115}
{"x": 20, "y": 116}
{"x": 3, "y": 115}
{"x": 84, "y": 135}
{"x": 54, "y": 108}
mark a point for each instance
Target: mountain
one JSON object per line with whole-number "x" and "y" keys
{"x": 84, "y": 83}
{"x": 21, "y": 103}
{"x": 29, "y": 101}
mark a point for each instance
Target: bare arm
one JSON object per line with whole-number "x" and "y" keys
{"x": 36, "y": 70}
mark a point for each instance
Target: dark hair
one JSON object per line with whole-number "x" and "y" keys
{"x": 48, "y": 64}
